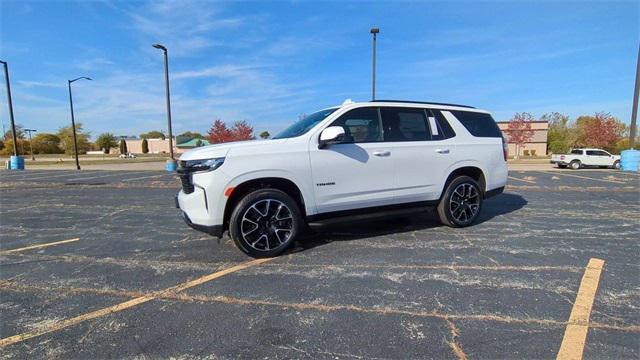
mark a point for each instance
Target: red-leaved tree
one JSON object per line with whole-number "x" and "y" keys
{"x": 602, "y": 131}
{"x": 220, "y": 133}
{"x": 519, "y": 131}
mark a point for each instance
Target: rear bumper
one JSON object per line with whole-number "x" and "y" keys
{"x": 494, "y": 192}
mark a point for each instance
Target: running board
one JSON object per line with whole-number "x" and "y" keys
{"x": 322, "y": 220}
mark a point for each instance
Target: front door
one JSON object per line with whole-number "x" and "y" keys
{"x": 357, "y": 173}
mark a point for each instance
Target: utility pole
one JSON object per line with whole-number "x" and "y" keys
{"x": 13, "y": 123}
{"x": 634, "y": 111}
{"x": 33, "y": 157}
{"x": 374, "y": 32}
{"x": 73, "y": 121}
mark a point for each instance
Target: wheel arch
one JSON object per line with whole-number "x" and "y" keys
{"x": 471, "y": 171}
{"x": 283, "y": 184}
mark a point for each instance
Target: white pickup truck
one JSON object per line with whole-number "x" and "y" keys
{"x": 579, "y": 158}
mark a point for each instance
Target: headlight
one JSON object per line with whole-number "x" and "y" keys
{"x": 189, "y": 166}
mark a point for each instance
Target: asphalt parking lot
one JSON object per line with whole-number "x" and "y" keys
{"x": 121, "y": 276}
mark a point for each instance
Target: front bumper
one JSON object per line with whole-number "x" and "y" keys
{"x": 196, "y": 212}
{"x": 214, "y": 230}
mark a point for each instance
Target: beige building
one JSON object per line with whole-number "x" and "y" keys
{"x": 538, "y": 144}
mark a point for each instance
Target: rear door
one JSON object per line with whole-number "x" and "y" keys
{"x": 421, "y": 152}
{"x": 357, "y": 173}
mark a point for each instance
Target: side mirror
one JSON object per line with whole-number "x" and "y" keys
{"x": 331, "y": 135}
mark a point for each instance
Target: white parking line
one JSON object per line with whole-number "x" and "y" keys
{"x": 71, "y": 173}
{"x": 107, "y": 174}
{"x": 144, "y": 177}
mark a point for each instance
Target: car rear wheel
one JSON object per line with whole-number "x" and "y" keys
{"x": 575, "y": 164}
{"x": 461, "y": 203}
{"x": 265, "y": 223}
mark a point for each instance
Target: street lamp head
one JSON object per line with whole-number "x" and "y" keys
{"x": 81, "y": 77}
{"x": 159, "y": 46}
{"x": 3, "y": 62}
{"x": 375, "y": 30}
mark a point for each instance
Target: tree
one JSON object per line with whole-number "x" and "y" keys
{"x": 519, "y": 130}
{"x": 242, "y": 131}
{"x": 561, "y": 134}
{"x": 192, "y": 135}
{"x": 19, "y": 133}
{"x": 600, "y": 131}
{"x": 106, "y": 141}
{"x": 220, "y": 133}
{"x": 66, "y": 139}
{"x": 123, "y": 146}
{"x": 265, "y": 135}
{"x": 145, "y": 146}
{"x": 154, "y": 134}
{"x": 44, "y": 143}
{"x": 23, "y": 146}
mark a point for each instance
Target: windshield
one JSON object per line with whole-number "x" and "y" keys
{"x": 304, "y": 125}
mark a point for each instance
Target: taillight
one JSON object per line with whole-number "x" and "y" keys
{"x": 505, "y": 149}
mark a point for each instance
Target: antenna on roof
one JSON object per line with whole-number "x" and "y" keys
{"x": 347, "y": 102}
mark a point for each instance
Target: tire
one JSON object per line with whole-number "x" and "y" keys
{"x": 616, "y": 164}
{"x": 460, "y": 190}
{"x": 575, "y": 165}
{"x": 562, "y": 166}
{"x": 277, "y": 222}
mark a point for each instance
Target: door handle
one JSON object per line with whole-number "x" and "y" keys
{"x": 442, "y": 151}
{"x": 381, "y": 153}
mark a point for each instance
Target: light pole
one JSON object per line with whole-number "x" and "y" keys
{"x": 13, "y": 123}
{"x": 634, "y": 111}
{"x": 33, "y": 157}
{"x": 171, "y": 163}
{"x": 374, "y": 32}
{"x": 73, "y": 121}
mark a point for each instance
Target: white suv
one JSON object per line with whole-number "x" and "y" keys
{"x": 375, "y": 156}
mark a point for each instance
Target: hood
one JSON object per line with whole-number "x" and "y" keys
{"x": 221, "y": 150}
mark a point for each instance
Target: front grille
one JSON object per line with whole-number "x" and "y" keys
{"x": 187, "y": 185}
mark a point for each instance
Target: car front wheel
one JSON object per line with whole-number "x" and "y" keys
{"x": 461, "y": 203}
{"x": 616, "y": 164}
{"x": 265, "y": 223}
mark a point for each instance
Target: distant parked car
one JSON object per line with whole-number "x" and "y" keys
{"x": 127, "y": 156}
{"x": 580, "y": 158}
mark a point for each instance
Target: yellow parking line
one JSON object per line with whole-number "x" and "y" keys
{"x": 38, "y": 246}
{"x": 527, "y": 181}
{"x": 127, "y": 304}
{"x": 582, "y": 177}
{"x": 575, "y": 334}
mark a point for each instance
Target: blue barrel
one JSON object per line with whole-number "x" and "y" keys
{"x": 17, "y": 163}
{"x": 171, "y": 165}
{"x": 629, "y": 160}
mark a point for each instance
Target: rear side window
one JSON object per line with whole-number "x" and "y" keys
{"x": 404, "y": 124}
{"x": 478, "y": 124}
{"x": 440, "y": 127}
{"x": 576, "y": 152}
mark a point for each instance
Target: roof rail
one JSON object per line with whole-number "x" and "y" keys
{"x": 424, "y": 102}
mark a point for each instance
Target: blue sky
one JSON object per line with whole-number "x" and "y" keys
{"x": 267, "y": 62}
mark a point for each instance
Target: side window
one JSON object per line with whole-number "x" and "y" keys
{"x": 592, "y": 153}
{"x": 603, "y": 153}
{"x": 404, "y": 124}
{"x": 478, "y": 124}
{"x": 576, "y": 152}
{"x": 360, "y": 125}
{"x": 440, "y": 128}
